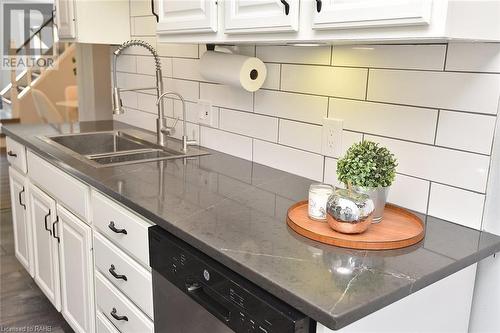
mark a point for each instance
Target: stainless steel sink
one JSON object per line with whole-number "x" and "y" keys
{"x": 105, "y": 149}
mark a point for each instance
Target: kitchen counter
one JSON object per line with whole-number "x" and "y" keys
{"x": 234, "y": 211}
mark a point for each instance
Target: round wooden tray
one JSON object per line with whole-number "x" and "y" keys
{"x": 398, "y": 228}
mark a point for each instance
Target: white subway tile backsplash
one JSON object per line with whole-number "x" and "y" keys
{"x": 300, "y": 135}
{"x": 249, "y": 124}
{"x": 409, "y": 192}
{"x": 138, "y": 118}
{"x": 429, "y": 57}
{"x": 127, "y": 63}
{"x": 128, "y": 80}
{"x": 456, "y": 168}
{"x": 229, "y": 143}
{"x": 166, "y": 66}
{"x": 188, "y": 89}
{"x": 184, "y": 68}
{"x": 456, "y": 91}
{"x": 466, "y": 131}
{"x": 295, "y": 54}
{"x": 177, "y": 50}
{"x": 146, "y": 65}
{"x": 330, "y": 176}
{"x": 473, "y": 57}
{"x": 299, "y": 107}
{"x": 403, "y": 122}
{"x": 226, "y": 96}
{"x": 456, "y": 205}
{"x": 324, "y": 80}
{"x": 273, "y": 76}
{"x": 295, "y": 161}
{"x": 398, "y": 95}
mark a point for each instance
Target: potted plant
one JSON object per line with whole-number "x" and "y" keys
{"x": 370, "y": 169}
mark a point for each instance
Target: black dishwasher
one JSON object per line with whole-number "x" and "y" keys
{"x": 193, "y": 293}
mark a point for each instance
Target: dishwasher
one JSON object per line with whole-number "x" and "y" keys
{"x": 193, "y": 293}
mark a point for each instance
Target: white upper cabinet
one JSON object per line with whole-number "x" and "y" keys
{"x": 65, "y": 18}
{"x": 255, "y": 16}
{"x": 187, "y": 16}
{"x": 327, "y": 21}
{"x": 342, "y": 14}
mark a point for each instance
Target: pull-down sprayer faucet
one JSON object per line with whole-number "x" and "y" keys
{"x": 162, "y": 130}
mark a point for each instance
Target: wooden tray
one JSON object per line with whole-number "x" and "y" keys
{"x": 398, "y": 228}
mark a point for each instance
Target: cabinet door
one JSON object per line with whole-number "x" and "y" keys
{"x": 251, "y": 16}
{"x": 23, "y": 241}
{"x": 187, "y": 16}
{"x": 65, "y": 18}
{"x": 77, "y": 283}
{"x": 340, "y": 14}
{"x": 46, "y": 247}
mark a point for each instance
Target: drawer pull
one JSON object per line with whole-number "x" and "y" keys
{"x": 118, "y": 231}
{"x": 46, "y": 221}
{"x": 117, "y": 317}
{"x": 11, "y": 153}
{"x": 116, "y": 276}
{"x": 54, "y": 229}
{"x": 319, "y": 4}
{"x": 287, "y": 6}
{"x": 20, "y": 199}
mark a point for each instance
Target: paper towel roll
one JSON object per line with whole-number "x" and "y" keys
{"x": 233, "y": 69}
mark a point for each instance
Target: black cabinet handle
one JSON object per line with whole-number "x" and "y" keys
{"x": 319, "y": 4}
{"x": 287, "y": 6}
{"x": 116, "y": 276}
{"x": 20, "y": 200}
{"x": 11, "y": 153}
{"x": 46, "y": 220}
{"x": 153, "y": 10}
{"x": 117, "y": 317}
{"x": 54, "y": 229}
{"x": 118, "y": 231}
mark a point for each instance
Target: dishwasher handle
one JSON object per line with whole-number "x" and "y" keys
{"x": 209, "y": 302}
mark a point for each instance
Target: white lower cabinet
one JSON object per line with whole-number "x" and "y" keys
{"x": 23, "y": 238}
{"x": 77, "y": 280}
{"x": 46, "y": 246}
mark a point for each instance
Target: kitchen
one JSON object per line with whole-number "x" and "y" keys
{"x": 413, "y": 78}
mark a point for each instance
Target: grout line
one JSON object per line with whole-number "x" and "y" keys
{"x": 367, "y": 80}
{"x": 437, "y": 126}
{"x": 445, "y": 57}
{"x": 331, "y": 55}
{"x": 428, "y": 200}
{"x": 281, "y": 73}
{"x": 278, "y": 138}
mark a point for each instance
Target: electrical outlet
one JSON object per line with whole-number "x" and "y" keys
{"x": 205, "y": 112}
{"x": 331, "y": 142}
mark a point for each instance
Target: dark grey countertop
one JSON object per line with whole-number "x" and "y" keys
{"x": 234, "y": 211}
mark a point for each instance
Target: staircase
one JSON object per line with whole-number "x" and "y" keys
{"x": 16, "y": 95}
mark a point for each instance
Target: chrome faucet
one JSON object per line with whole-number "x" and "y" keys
{"x": 162, "y": 130}
{"x": 185, "y": 141}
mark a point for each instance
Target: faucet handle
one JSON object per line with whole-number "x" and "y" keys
{"x": 175, "y": 122}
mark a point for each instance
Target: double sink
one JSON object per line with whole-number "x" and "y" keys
{"x": 112, "y": 148}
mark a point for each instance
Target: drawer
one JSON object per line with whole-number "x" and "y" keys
{"x": 67, "y": 190}
{"x": 16, "y": 155}
{"x": 130, "y": 231}
{"x": 103, "y": 325}
{"x": 109, "y": 299}
{"x": 137, "y": 286}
